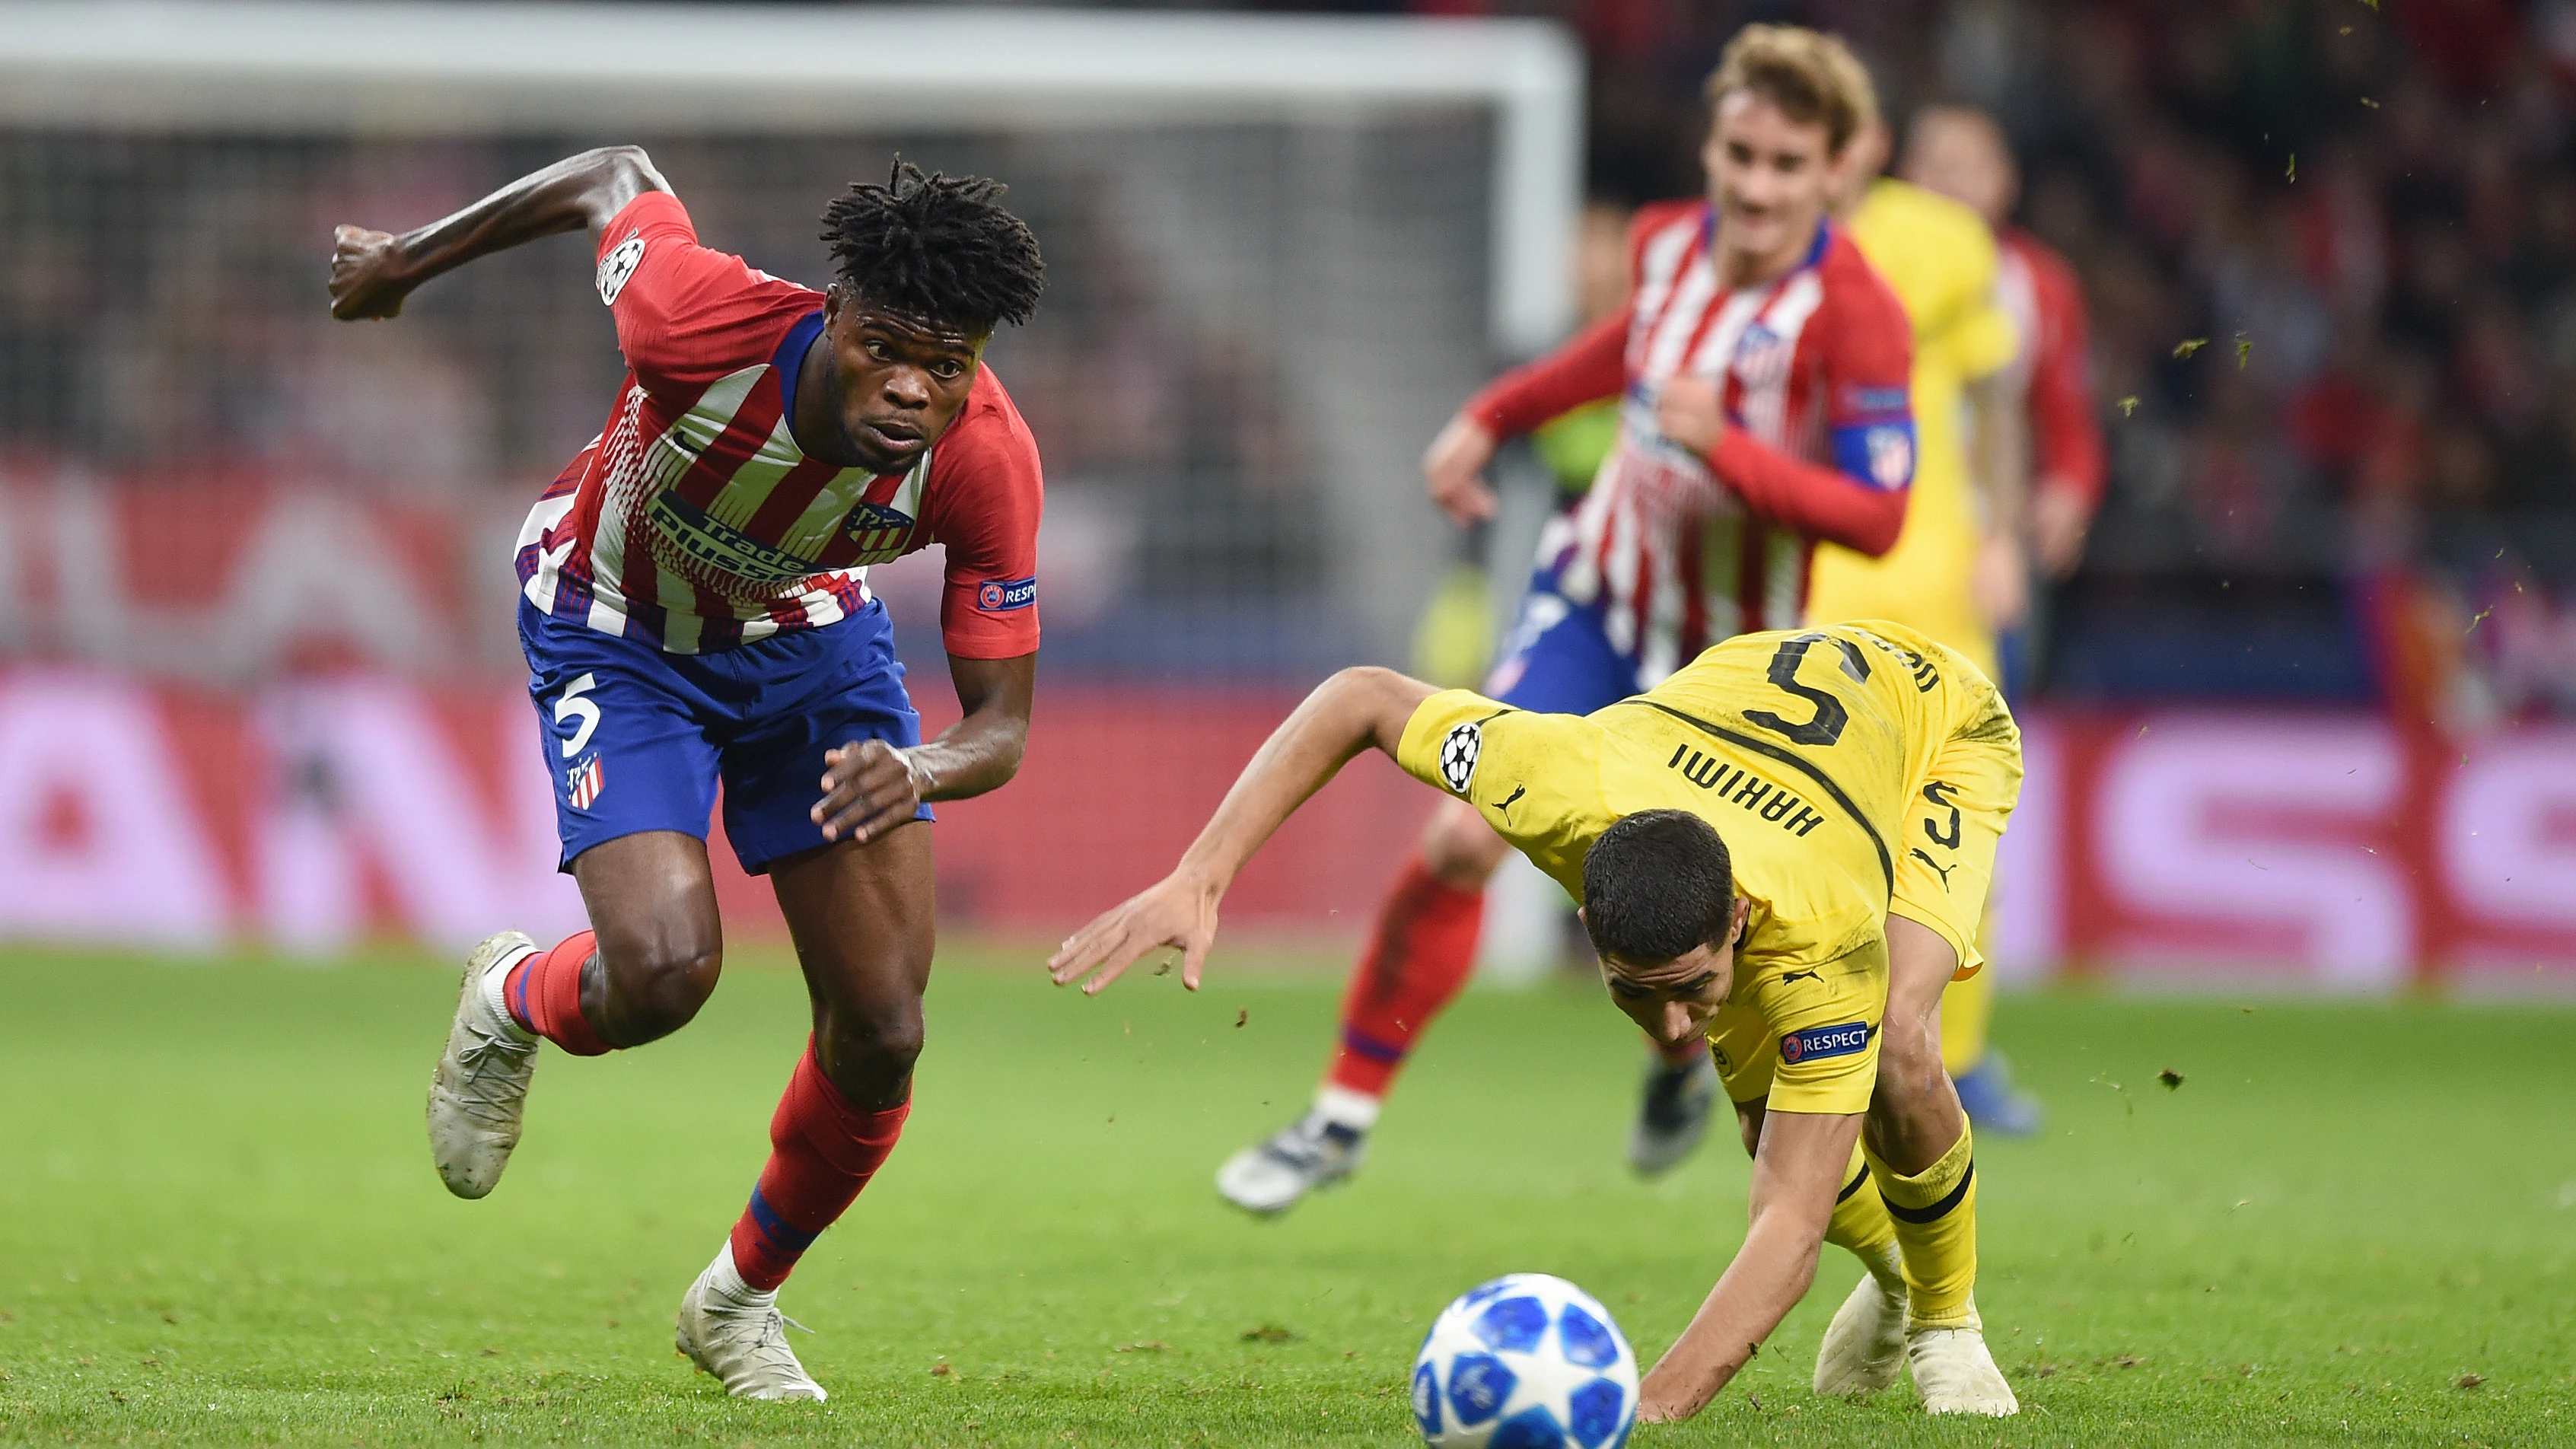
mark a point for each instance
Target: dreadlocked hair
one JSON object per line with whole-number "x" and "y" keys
{"x": 937, "y": 249}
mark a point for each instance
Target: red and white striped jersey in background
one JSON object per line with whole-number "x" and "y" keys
{"x": 1681, "y": 550}
{"x": 2054, "y": 374}
{"x": 694, "y": 522}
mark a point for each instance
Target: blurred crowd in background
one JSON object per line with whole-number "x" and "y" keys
{"x": 2330, "y": 251}
{"x": 259, "y": 680}
{"x": 2361, "y": 482}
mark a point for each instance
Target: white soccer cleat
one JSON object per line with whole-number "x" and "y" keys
{"x": 1864, "y": 1347}
{"x": 480, "y": 1090}
{"x": 731, "y": 1330}
{"x": 1307, "y": 1154}
{"x": 1956, "y": 1375}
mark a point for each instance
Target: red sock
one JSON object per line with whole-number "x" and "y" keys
{"x": 822, "y": 1151}
{"x": 543, "y": 993}
{"x": 1424, "y": 948}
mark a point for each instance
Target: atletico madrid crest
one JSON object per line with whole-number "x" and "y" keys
{"x": 879, "y": 531}
{"x": 583, "y": 782}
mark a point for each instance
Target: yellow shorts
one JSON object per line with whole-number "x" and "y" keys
{"x": 1945, "y": 861}
{"x": 1805, "y": 1039}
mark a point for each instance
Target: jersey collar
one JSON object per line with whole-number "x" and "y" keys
{"x": 789, "y": 363}
{"x": 1815, "y": 249}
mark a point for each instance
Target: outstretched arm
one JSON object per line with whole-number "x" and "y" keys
{"x": 373, "y": 271}
{"x": 1354, "y": 710}
{"x": 1796, "y": 1171}
{"x": 1584, "y": 370}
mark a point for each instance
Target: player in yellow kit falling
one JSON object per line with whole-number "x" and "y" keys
{"x": 1785, "y": 847}
{"x": 1956, "y": 572}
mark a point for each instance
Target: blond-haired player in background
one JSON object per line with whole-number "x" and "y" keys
{"x": 1760, "y": 368}
{"x": 1958, "y": 570}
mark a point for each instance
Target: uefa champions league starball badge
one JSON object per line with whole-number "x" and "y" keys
{"x": 1458, "y": 751}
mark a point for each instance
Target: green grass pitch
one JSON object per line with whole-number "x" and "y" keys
{"x": 2349, "y": 1224}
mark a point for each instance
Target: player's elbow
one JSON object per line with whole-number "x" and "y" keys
{"x": 1007, "y": 754}
{"x": 1366, "y": 680}
{"x": 612, "y": 176}
{"x": 1377, "y": 684}
{"x": 634, "y": 170}
{"x": 1876, "y": 532}
{"x": 1798, "y": 1237}
{"x": 994, "y": 747}
{"x": 1362, "y": 688}
{"x": 1375, "y": 700}
{"x": 1802, "y": 1269}
{"x": 630, "y": 162}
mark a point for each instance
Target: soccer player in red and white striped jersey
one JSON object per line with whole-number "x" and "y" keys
{"x": 694, "y": 609}
{"x": 1964, "y": 155}
{"x": 2068, "y": 465}
{"x": 1764, "y": 373}
{"x": 696, "y": 521}
{"x": 1759, "y": 418}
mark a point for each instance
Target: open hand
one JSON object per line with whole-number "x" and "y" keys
{"x": 869, "y": 788}
{"x": 1453, "y": 468}
{"x": 2059, "y": 519}
{"x": 1691, "y": 412}
{"x": 1999, "y": 581}
{"x": 366, "y": 274}
{"x": 1177, "y": 911}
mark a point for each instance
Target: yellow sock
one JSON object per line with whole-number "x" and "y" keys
{"x": 1967, "y": 1008}
{"x": 1860, "y": 1223}
{"x": 1935, "y": 1213}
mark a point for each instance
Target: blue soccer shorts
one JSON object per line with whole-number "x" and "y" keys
{"x": 1559, "y": 659}
{"x": 637, "y": 739}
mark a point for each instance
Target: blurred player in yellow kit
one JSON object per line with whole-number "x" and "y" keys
{"x": 1957, "y": 572}
{"x": 1783, "y": 848}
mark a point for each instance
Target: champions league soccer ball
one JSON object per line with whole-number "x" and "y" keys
{"x": 1525, "y": 1362}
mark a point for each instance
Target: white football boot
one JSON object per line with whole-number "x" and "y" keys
{"x": 480, "y": 1090}
{"x": 1309, "y": 1153}
{"x": 1956, "y": 1375}
{"x": 1864, "y": 1347}
{"x": 735, "y": 1332}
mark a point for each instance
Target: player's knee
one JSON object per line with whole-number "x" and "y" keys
{"x": 873, "y": 1044}
{"x": 1909, "y": 1051}
{"x": 657, "y": 989}
{"x": 1908, "y": 1099}
{"x": 1920, "y": 963}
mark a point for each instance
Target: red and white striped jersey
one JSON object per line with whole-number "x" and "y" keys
{"x": 1680, "y": 550}
{"x": 2054, "y": 373}
{"x": 694, "y": 522}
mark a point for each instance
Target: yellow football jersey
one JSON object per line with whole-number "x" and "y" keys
{"x": 1851, "y": 771}
{"x": 1939, "y": 258}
